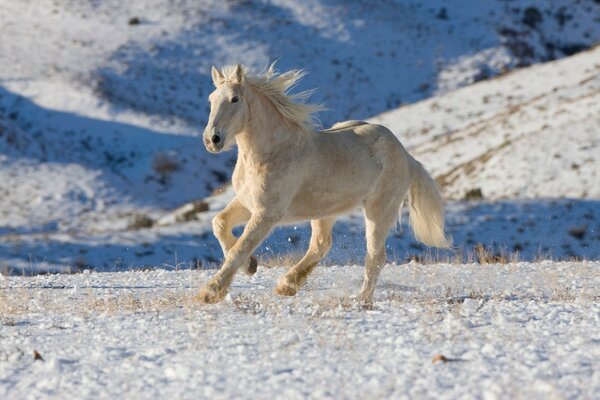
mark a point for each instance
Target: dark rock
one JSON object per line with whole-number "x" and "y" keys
{"x": 474, "y": 194}
{"x": 532, "y": 17}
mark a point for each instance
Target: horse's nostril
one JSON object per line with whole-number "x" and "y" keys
{"x": 216, "y": 139}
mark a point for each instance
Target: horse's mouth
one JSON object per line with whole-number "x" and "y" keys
{"x": 213, "y": 147}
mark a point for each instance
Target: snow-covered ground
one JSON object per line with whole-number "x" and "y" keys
{"x": 101, "y": 104}
{"x": 525, "y": 230}
{"x": 507, "y": 331}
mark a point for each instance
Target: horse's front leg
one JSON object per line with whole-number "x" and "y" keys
{"x": 223, "y": 223}
{"x": 258, "y": 227}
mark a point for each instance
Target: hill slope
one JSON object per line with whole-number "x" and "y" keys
{"x": 155, "y": 57}
{"x": 528, "y": 134}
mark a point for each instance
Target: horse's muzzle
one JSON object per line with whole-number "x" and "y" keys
{"x": 214, "y": 142}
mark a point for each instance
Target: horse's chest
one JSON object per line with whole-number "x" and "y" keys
{"x": 248, "y": 185}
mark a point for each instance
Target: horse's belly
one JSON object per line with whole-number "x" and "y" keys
{"x": 321, "y": 203}
{"x": 335, "y": 190}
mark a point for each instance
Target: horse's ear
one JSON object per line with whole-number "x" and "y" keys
{"x": 238, "y": 74}
{"x": 217, "y": 76}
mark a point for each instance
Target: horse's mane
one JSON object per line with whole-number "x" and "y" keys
{"x": 275, "y": 87}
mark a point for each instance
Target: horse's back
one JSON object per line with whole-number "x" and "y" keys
{"x": 344, "y": 125}
{"x": 364, "y": 132}
{"x": 360, "y": 148}
{"x": 372, "y": 146}
{"x": 344, "y": 166}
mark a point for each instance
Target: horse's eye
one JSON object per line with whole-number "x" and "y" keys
{"x": 234, "y": 99}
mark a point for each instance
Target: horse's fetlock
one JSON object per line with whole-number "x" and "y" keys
{"x": 212, "y": 292}
{"x": 286, "y": 288}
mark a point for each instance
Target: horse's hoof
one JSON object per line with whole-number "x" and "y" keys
{"x": 252, "y": 267}
{"x": 210, "y": 294}
{"x": 365, "y": 301}
{"x": 285, "y": 289}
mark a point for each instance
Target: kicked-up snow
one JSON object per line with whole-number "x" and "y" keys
{"x": 446, "y": 331}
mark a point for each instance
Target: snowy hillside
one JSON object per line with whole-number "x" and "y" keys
{"x": 528, "y": 134}
{"x": 154, "y": 56}
{"x": 102, "y": 103}
{"x": 505, "y": 331}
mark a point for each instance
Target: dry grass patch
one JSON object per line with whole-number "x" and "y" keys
{"x": 280, "y": 260}
{"x": 23, "y": 301}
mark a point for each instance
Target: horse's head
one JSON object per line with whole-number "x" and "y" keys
{"x": 228, "y": 110}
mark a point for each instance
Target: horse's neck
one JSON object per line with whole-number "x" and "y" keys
{"x": 266, "y": 132}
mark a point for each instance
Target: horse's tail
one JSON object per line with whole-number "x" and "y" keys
{"x": 425, "y": 203}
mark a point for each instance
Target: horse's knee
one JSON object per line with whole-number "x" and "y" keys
{"x": 219, "y": 225}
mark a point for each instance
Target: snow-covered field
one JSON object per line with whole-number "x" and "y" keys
{"x": 506, "y": 331}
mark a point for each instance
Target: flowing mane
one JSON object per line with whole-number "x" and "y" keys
{"x": 275, "y": 87}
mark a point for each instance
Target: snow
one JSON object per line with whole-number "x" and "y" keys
{"x": 365, "y": 59}
{"x": 533, "y": 133}
{"x": 525, "y": 330}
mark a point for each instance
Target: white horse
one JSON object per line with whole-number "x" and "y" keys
{"x": 287, "y": 171}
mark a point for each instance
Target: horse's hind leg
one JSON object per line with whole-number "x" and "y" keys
{"x": 320, "y": 243}
{"x": 381, "y": 213}
{"x": 224, "y": 222}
